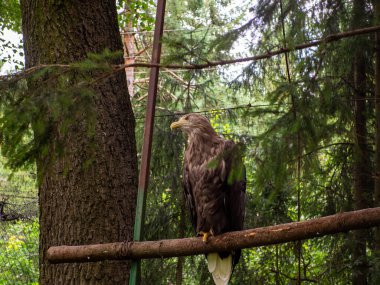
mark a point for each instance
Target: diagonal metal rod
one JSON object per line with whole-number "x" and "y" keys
{"x": 148, "y": 135}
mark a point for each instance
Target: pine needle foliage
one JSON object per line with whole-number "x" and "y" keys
{"x": 35, "y": 102}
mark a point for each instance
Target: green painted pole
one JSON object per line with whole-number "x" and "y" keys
{"x": 148, "y": 135}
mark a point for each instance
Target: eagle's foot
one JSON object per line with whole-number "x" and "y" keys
{"x": 205, "y": 235}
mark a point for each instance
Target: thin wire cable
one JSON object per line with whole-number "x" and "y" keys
{"x": 19, "y": 196}
{"x": 171, "y": 30}
{"x": 207, "y": 111}
{"x": 175, "y": 70}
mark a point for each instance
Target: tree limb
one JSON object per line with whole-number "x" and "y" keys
{"x": 318, "y": 227}
{"x": 118, "y": 68}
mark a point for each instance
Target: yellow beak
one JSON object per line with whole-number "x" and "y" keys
{"x": 177, "y": 124}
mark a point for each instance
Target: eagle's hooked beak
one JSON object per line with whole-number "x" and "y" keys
{"x": 179, "y": 124}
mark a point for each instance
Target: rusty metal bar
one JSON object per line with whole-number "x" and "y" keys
{"x": 148, "y": 135}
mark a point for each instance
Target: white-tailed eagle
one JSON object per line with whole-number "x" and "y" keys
{"x": 214, "y": 190}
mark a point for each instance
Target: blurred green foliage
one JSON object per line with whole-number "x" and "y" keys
{"x": 19, "y": 253}
{"x": 136, "y": 14}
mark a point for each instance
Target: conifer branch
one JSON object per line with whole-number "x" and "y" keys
{"x": 118, "y": 68}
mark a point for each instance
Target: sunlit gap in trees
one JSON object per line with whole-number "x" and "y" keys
{"x": 12, "y": 52}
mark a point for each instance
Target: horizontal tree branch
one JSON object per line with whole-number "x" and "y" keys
{"x": 318, "y": 227}
{"x": 328, "y": 39}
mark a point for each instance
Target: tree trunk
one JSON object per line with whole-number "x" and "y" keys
{"x": 376, "y": 270}
{"x": 361, "y": 165}
{"x": 361, "y": 175}
{"x": 94, "y": 204}
{"x": 129, "y": 48}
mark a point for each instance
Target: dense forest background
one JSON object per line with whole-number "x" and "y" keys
{"x": 308, "y": 120}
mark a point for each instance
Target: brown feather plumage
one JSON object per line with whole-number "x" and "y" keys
{"x": 215, "y": 204}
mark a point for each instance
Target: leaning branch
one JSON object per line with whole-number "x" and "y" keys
{"x": 318, "y": 227}
{"x": 119, "y": 68}
{"x": 328, "y": 39}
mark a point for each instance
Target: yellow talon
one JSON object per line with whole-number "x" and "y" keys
{"x": 205, "y": 236}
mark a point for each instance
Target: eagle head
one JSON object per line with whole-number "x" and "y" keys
{"x": 194, "y": 124}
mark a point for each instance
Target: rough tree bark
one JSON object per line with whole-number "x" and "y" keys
{"x": 361, "y": 160}
{"x": 376, "y": 270}
{"x": 95, "y": 204}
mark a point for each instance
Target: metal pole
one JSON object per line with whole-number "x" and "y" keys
{"x": 148, "y": 134}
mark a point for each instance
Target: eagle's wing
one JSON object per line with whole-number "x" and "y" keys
{"x": 234, "y": 185}
{"x": 237, "y": 203}
{"x": 189, "y": 197}
{"x": 235, "y": 191}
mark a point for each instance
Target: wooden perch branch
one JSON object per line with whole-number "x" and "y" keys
{"x": 229, "y": 241}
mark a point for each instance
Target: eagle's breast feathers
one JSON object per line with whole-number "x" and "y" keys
{"x": 207, "y": 180}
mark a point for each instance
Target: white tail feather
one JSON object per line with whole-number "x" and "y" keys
{"x": 220, "y": 268}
